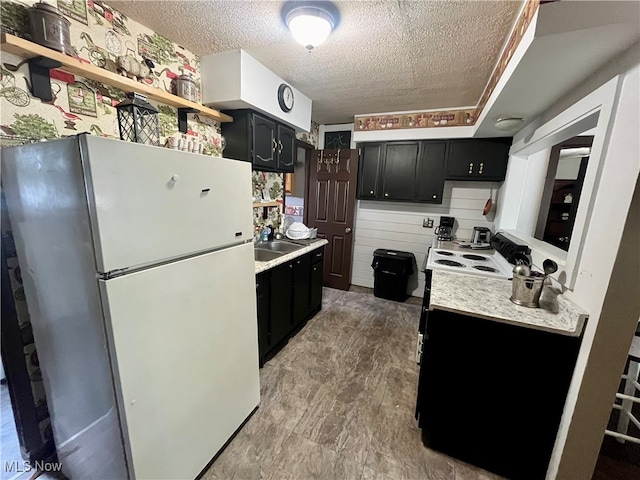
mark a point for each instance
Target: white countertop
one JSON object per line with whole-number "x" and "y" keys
{"x": 488, "y": 298}
{"x": 262, "y": 266}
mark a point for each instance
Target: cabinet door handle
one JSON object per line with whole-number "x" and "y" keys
{"x": 371, "y": 192}
{"x": 280, "y": 146}
{"x": 386, "y": 194}
{"x": 481, "y": 167}
{"x": 291, "y": 265}
{"x": 275, "y": 145}
{"x": 298, "y": 262}
{"x": 435, "y": 196}
{"x": 318, "y": 254}
{"x": 470, "y": 168}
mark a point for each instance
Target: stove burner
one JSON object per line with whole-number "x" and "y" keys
{"x": 475, "y": 257}
{"x": 444, "y": 253}
{"x": 450, "y": 263}
{"x": 484, "y": 268}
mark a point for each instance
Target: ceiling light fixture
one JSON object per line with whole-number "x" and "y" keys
{"x": 310, "y": 23}
{"x": 509, "y": 123}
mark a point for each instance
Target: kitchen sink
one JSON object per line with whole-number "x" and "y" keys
{"x": 265, "y": 255}
{"x": 281, "y": 246}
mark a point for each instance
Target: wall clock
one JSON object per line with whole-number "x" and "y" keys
{"x": 285, "y": 97}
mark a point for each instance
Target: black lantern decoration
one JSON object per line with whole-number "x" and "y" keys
{"x": 138, "y": 120}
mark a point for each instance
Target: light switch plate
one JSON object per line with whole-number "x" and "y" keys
{"x": 427, "y": 222}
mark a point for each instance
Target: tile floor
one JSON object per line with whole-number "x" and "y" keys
{"x": 338, "y": 403}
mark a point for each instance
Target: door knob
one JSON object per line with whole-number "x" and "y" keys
{"x": 347, "y": 230}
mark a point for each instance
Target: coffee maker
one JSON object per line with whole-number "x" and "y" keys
{"x": 444, "y": 231}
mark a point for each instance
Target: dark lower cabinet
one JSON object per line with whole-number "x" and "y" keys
{"x": 492, "y": 394}
{"x": 301, "y": 289}
{"x": 287, "y": 296}
{"x": 263, "y": 307}
{"x": 316, "y": 281}
{"x": 280, "y": 314}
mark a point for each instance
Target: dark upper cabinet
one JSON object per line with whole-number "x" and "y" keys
{"x": 400, "y": 162}
{"x": 258, "y": 139}
{"x": 462, "y": 158}
{"x": 369, "y": 171}
{"x": 286, "y": 140}
{"x": 264, "y": 143}
{"x": 402, "y": 171}
{"x": 481, "y": 159}
{"x": 430, "y": 176}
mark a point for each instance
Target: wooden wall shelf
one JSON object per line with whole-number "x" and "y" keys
{"x": 265, "y": 207}
{"x": 265, "y": 204}
{"x": 29, "y": 50}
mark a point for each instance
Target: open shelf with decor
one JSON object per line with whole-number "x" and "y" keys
{"x": 42, "y": 59}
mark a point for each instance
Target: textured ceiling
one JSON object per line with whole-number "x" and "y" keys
{"x": 383, "y": 56}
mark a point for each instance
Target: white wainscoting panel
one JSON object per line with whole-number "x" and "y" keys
{"x": 398, "y": 226}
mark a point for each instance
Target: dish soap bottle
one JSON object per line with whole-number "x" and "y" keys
{"x": 264, "y": 237}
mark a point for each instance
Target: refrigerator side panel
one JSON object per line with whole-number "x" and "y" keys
{"x": 150, "y": 204}
{"x": 185, "y": 349}
{"x": 47, "y": 206}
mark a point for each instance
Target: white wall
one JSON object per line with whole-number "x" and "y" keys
{"x": 232, "y": 80}
{"x": 398, "y": 226}
{"x": 593, "y": 385}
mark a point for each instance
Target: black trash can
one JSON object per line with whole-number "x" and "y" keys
{"x": 391, "y": 271}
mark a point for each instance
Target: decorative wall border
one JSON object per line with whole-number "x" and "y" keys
{"x": 454, "y": 117}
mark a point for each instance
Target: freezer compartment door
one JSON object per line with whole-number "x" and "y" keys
{"x": 184, "y": 348}
{"x": 149, "y": 204}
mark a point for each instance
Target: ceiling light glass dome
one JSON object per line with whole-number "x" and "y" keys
{"x": 310, "y": 25}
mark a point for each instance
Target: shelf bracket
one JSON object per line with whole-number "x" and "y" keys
{"x": 182, "y": 118}
{"x": 39, "y": 73}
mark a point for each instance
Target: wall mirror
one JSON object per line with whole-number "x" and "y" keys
{"x": 562, "y": 190}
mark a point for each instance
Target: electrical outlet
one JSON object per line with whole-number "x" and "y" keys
{"x": 427, "y": 222}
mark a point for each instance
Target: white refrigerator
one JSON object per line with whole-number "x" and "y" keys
{"x": 138, "y": 269}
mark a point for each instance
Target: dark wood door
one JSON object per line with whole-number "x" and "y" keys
{"x": 462, "y": 160}
{"x": 263, "y": 306}
{"x": 430, "y": 178}
{"x": 301, "y": 284}
{"x": 369, "y": 181}
{"x": 330, "y": 201}
{"x": 286, "y": 141}
{"x": 400, "y": 162}
{"x": 264, "y": 143}
{"x": 280, "y": 302}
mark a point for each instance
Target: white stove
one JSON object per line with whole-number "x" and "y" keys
{"x": 460, "y": 258}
